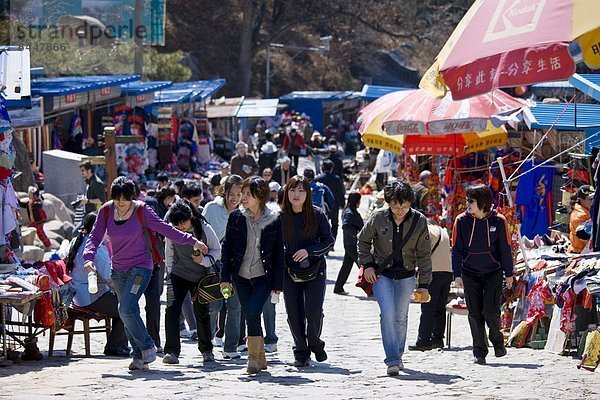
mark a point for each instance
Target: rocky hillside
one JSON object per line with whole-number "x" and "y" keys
{"x": 389, "y": 42}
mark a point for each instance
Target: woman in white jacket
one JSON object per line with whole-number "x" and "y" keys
{"x": 217, "y": 213}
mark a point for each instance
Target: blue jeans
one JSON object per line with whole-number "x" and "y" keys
{"x": 393, "y": 297}
{"x": 233, "y": 319}
{"x": 253, "y": 294}
{"x": 129, "y": 287}
{"x": 269, "y": 320}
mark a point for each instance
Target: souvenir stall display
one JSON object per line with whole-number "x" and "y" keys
{"x": 19, "y": 285}
{"x": 554, "y": 305}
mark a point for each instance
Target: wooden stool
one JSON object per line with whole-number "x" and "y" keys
{"x": 449, "y": 312}
{"x": 83, "y": 315}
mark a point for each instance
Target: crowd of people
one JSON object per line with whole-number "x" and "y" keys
{"x": 268, "y": 230}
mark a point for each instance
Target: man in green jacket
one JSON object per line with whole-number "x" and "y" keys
{"x": 394, "y": 249}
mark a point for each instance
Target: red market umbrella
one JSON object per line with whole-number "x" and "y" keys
{"x": 507, "y": 43}
{"x": 453, "y": 145}
{"x": 420, "y": 113}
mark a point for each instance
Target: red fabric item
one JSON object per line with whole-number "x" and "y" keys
{"x": 39, "y": 228}
{"x": 568, "y": 316}
{"x": 538, "y": 295}
{"x": 57, "y": 270}
{"x": 43, "y": 312}
{"x": 299, "y": 142}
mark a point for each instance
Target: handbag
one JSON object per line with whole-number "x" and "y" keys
{"x": 209, "y": 287}
{"x": 362, "y": 282}
{"x": 305, "y": 270}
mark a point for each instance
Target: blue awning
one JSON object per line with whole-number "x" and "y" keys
{"x": 573, "y": 117}
{"x": 256, "y": 108}
{"x": 139, "y": 87}
{"x": 183, "y": 92}
{"x": 319, "y": 96}
{"x": 588, "y": 84}
{"x": 373, "y": 92}
{"x": 60, "y": 86}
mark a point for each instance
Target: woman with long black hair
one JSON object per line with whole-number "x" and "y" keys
{"x": 104, "y": 300}
{"x": 252, "y": 257}
{"x": 307, "y": 238}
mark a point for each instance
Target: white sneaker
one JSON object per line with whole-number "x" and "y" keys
{"x": 217, "y": 341}
{"x": 136, "y": 363}
{"x": 170, "y": 358}
{"x": 149, "y": 355}
{"x": 185, "y": 334}
{"x": 270, "y": 347}
{"x": 231, "y": 355}
{"x": 242, "y": 348}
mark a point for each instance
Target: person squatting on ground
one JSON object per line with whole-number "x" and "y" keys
{"x": 132, "y": 263}
{"x": 36, "y": 214}
{"x": 481, "y": 255}
{"x": 352, "y": 223}
{"x": 185, "y": 272}
{"x": 227, "y": 311}
{"x": 307, "y": 237}
{"x": 396, "y": 239}
{"x": 104, "y": 300}
{"x": 433, "y": 312}
{"x": 252, "y": 258}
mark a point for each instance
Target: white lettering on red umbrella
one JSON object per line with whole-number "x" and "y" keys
{"x": 520, "y": 67}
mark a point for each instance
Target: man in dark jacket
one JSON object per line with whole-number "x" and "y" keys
{"x": 338, "y": 168}
{"x": 481, "y": 258}
{"x": 243, "y": 164}
{"x": 335, "y": 184}
{"x": 284, "y": 171}
{"x": 95, "y": 191}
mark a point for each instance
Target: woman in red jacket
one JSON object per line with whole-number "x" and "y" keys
{"x": 294, "y": 145}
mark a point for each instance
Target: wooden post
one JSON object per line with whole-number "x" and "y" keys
{"x": 110, "y": 156}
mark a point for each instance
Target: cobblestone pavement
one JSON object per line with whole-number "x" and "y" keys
{"x": 354, "y": 370}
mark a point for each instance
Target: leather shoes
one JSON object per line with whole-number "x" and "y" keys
{"x": 500, "y": 351}
{"x": 320, "y": 355}
{"x": 301, "y": 363}
{"x": 479, "y": 360}
{"x": 117, "y": 352}
{"x": 420, "y": 347}
{"x": 437, "y": 344}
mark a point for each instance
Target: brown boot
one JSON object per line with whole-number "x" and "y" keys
{"x": 253, "y": 343}
{"x": 262, "y": 359}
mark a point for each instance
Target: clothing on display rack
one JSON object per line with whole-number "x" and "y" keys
{"x": 534, "y": 195}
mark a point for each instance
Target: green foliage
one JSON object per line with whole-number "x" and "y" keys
{"x": 167, "y": 66}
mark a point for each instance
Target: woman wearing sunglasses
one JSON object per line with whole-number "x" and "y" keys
{"x": 481, "y": 258}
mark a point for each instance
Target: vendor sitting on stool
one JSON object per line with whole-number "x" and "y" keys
{"x": 104, "y": 301}
{"x": 581, "y": 203}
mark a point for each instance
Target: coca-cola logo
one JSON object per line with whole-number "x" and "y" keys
{"x": 513, "y": 18}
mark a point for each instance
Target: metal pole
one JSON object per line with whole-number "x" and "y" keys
{"x": 511, "y": 204}
{"x": 138, "y": 58}
{"x": 268, "y": 73}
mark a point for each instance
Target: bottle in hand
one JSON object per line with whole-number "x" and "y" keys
{"x": 92, "y": 282}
